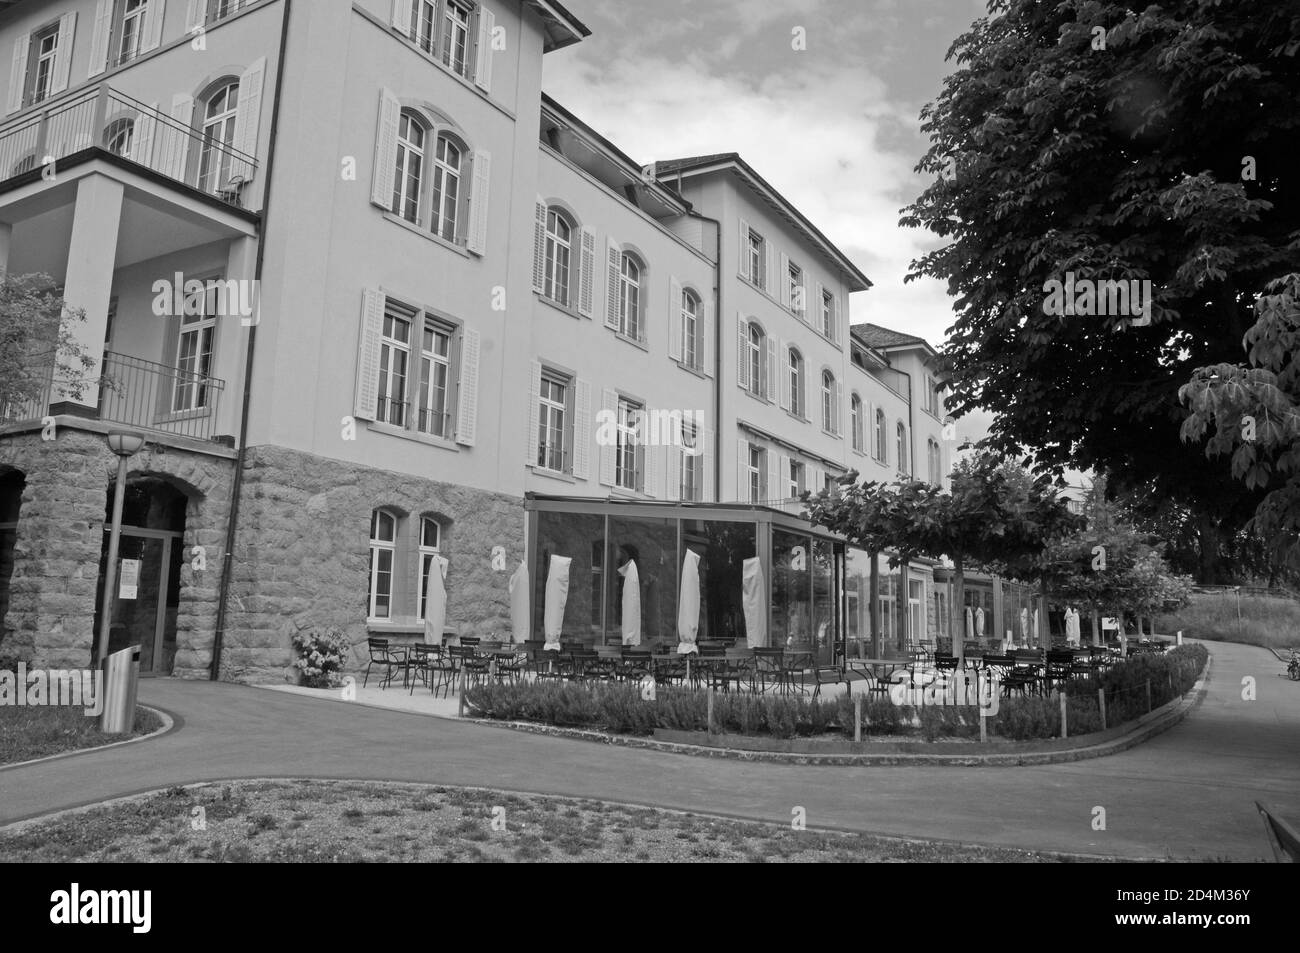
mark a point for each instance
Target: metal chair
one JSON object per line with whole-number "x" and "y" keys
{"x": 382, "y": 654}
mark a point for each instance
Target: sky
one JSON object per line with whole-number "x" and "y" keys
{"x": 835, "y": 127}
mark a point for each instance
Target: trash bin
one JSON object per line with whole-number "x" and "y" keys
{"x": 121, "y": 678}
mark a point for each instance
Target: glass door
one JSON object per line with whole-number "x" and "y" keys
{"x": 145, "y": 603}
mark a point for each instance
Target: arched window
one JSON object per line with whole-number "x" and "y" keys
{"x": 796, "y": 371}
{"x": 455, "y": 37}
{"x": 219, "y": 111}
{"x": 408, "y": 183}
{"x": 118, "y": 135}
{"x": 559, "y": 256}
{"x": 879, "y": 446}
{"x": 901, "y": 440}
{"x": 446, "y": 187}
{"x": 690, "y": 329}
{"x": 754, "y": 363}
{"x": 855, "y": 421}
{"x": 430, "y": 547}
{"x": 383, "y": 552}
{"x": 830, "y": 412}
{"x": 629, "y": 297}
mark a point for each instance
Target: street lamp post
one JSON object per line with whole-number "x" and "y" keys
{"x": 125, "y": 445}
{"x": 1238, "y": 603}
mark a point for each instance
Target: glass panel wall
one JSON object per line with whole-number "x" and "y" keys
{"x": 581, "y": 537}
{"x": 792, "y": 621}
{"x": 857, "y": 602}
{"x": 823, "y": 600}
{"x": 723, "y": 548}
{"x": 651, "y": 544}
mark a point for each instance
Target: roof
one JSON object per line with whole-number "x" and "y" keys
{"x": 873, "y": 335}
{"x": 731, "y": 161}
{"x": 562, "y": 27}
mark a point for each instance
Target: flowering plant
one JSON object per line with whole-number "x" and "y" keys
{"x": 321, "y": 657}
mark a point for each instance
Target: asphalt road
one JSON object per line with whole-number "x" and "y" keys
{"x": 1187, "y": 793}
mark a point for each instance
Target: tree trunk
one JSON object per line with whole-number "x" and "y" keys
{"x": 873, "y": 597}
{"x": 1096, "y": 627}
{"x": 958, "y": 612}
{"x": 1209, "y": 551}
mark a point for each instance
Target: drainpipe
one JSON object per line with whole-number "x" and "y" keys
{"x": 223, "y": 599}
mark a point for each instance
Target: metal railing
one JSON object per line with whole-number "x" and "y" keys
{"x": 101, "y": 117}
{"x": 434, "y": 424}
{"x": 140, "y": 394}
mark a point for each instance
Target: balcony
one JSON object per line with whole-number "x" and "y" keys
{"x": 101, "y": 120}
{"x": 139, "y": 394}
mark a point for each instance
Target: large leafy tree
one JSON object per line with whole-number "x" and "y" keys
{"x": 1115, "y": 141}
{"x": 36, "y": 337}
{"x": 1254, "y": 409}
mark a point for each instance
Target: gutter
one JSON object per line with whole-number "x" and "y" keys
{"x": 223, "y": 599}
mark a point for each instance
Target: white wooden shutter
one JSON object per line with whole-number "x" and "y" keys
{"x": 534, "y": 410}
{"x": 478, "y": 202}
{"x": 401, "y": 18}
{"x": 609, "y": 412}
{"x": 587, "y": 274}
{"x": 650, "y": 461}
{"x": 816, "y": 478}
{"x": 582, "y": 430}
{"x": 769, "y": 390}
{"x": 780, "y": 490}
{"x": 63, "y": 54}
{"x": 467, "y": 390}
{"x": 742, "y": 352}
{"x": 99, "y": 41}
{"x": 390, "y": 116}
{"x": 815, "y": 308}
{"x": 197, "y": 15}
{"x": 142, "y": 139}
{"x": 837, "y": 417}
{"x": 675, "y": 319}
{"x": 372, "y": 331}
{"x": 539, "y": 245}
{"x": 248, "y": 120}
{"x": 176, "y": 142}
{"x": 708, "y": 457}
{"x": 18, "y": 74}
{"x": 801, "y": 306}
{"x": 836, "y": 334}
{"x": 483, "y": 65}
{"x": 773, "y": 490}
{"x": 614, "y": 255}
{"x": 783, "y": 282}
{"x": 707, "y": 334}
{"x": 742, "y": 470}
{"x": 674, "y": 460}
{"x": 783, "y": 355}
{"x": 771, "y": 281}
{"x": 153, "y": 26}
{"x": 743, "y": 251}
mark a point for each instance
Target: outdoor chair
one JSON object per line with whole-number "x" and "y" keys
{"x": 634, "y": 665}
{"x": 382, "y": 655}
{"x": 828, "y": 675}
{"x": 793, "y": 667}
{"x": 767, "y": 669}
{"x": 470, "y": 640}
{"x": 543, "y": 664}
{"x": 509, "y": 667}
{"x": 431, "y": 666}
{"x": 491, "y": 645}
{"x": 467, "y": 665}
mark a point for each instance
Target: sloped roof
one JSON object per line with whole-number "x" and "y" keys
{"x": 873, "y": 335}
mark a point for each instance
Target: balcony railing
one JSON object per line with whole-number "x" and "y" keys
{"x": 101, "y": 117}
{"x": 139, "y": 394}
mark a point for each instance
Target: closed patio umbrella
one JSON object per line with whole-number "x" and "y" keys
{"x": 521, "y": 621}
{"x": 557, "y": 595}
{"x": 1037, "y": 634}
{"x": 1024, "y": 625}
{"x": 631, "y": 603}
{"x": 688, "y": 605}
{"x": 970, "y": 623}
{"x": 754, "y": 599}
{"x": 435, "y": 602}
{"x": 979, "y": 623}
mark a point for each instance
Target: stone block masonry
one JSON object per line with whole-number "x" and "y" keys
{"x": 60, "y": 536}
{"x": 302, "y": 557}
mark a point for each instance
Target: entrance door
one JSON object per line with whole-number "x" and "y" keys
{"x": 148, "y": 590}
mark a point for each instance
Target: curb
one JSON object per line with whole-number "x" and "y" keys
{"x": 169, "y": 724}
{"x": 1156, "y": 722}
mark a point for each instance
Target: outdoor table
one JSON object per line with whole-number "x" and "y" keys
{"x": 890, "y": 665}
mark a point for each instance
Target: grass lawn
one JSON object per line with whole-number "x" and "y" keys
{"x": 29, "y": 733}
{"x": 1271, "y": 623}
{"x": 349, "y": 821}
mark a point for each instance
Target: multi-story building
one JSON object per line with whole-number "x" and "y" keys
{"x": 379, "y": 305}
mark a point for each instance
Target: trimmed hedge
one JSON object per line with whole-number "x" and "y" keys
{"x": 621, "y": 709}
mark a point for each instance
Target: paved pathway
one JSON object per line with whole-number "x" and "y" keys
{"x": 1188, "y": 792}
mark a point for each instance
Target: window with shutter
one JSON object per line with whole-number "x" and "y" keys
{"x": 100, "y": 38}
{"x": 742, "y": 352}
{"x": 248, "y": 119}
{"x": 390, "y": 114}
{"x": 587, "y": 274}
{"x": 478, "y": 203}
{"x": 581, "y": 435}
{"x": 676, "y": 320}
{"x": 154, "y": 25}
{"x": 607, "y": 438}
{"x": 770, "y": 390}
{"x": 483, "y": 53}
{"x": 614, "y": 257}
{"x": 368, "y": 347}
{"x": 537, "y": 397}
{"x": 467, "y": 392}
{"x": 540, "y": 218}
{"x": 63, "y": 57}
{"x": 18, "y": 73}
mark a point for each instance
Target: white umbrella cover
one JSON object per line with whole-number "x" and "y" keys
{"x": 557, "y": 596}
{"x": 970, "y": 623}
{"x": 521, "y": 621}
{"x": 435, "y": 602}
{"x": 688, "y": 604}
{"x": 1024, "y": 625}
{"x": 631, "y": 603}
{"x": 1037, "y": 636}
{"x": 753, "y": 597}
{"x": 979, "y": 623}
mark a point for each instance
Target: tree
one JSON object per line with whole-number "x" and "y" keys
{"x": 1159, "y": 147}
{"x": 990, "y": 517}
{"x": 1255, "y": 411}
{"x": 36, "y": 339}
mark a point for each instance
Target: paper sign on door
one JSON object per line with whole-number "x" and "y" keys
{"x": 130, "y": 579}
